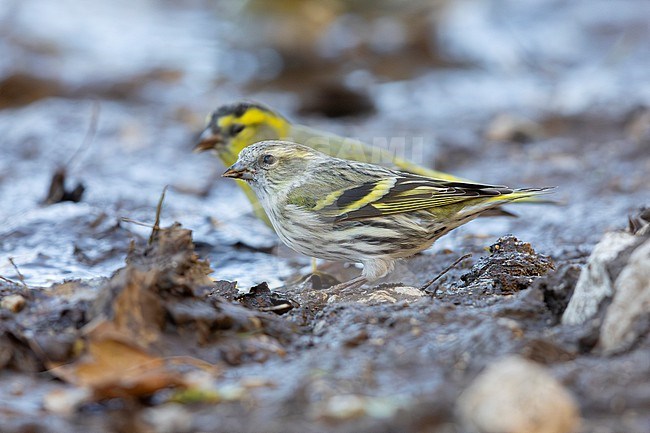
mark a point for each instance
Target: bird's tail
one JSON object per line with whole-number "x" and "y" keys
{"x": 529, "y": 195}
{"x": 489, "y": 204}
{"x": 486, "y": 206}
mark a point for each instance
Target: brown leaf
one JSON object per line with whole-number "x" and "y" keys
{"x": 113, "y": 366}
{"x": 137, "y": 311}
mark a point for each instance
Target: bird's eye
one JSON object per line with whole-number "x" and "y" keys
{"x": 236, "y": 129}
{"x": 268, "y": 160}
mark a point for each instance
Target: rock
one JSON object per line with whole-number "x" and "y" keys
{"x": 348, "y": 407}
{"x": 628, "y": 316}
{"x": 390, "y": 293}
{"x": 66, "y": 401}
{"x": 382, "y": 294}
{"x": 344, "y": 407}
{"x": 13, "y": 303}
{"x": 595, "y": 282}
{"x": 515, "y": 395}
{"x": 168, "y": 418}
{"x": 613, "y": 290}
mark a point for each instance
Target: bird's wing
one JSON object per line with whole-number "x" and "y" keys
{"x": 398, "y": 194}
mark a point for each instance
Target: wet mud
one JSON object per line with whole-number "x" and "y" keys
{"x": 121, "y": 314}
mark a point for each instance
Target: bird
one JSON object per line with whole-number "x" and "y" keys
{"x": 230, "y": 128}
{"x": 342, "y": 210}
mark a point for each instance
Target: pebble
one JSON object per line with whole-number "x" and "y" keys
{"x": 13, "y": 303}
{"x": 515, "y": 395}
{"x": 623, "y": 325}
{"x": 594, "y": 284}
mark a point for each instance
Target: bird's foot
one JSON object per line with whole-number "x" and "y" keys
{"x": 352, "y": 284}
{"x": 314, "y": 265}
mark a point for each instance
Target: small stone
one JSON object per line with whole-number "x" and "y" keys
{"x": 320, "y": 327}
{"x": 348, "y": 407}
{"x": 66, "y": 401}
{"x": 594, "y": 284}
{"x": 515, "y": 395}
{"x": 344, "y": 407}
{"x": 628, "y": 315}
{"x": 13, "y": 303}
{"x": 169, "y": 418}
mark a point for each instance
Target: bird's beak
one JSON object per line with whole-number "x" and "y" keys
{"x": 208, "y": 140}
{"x": 238, "y": 171}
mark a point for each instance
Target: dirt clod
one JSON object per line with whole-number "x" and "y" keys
{"x": 58, "y": 192}
{"x": 512, "y": 266}
{"x": 261, "y": 298}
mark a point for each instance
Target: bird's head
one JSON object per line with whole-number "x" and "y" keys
{"x": 272, "y": 163}
{"x": 231, "y": 128}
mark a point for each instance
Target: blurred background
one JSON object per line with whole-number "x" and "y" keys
{"x": 112, "y": 93}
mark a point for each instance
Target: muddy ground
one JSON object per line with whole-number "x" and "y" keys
{"x": 110, "y": 325}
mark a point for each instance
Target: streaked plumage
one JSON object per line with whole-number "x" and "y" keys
{"x": 337, "y": 209}
{"x": 233, "y": 127}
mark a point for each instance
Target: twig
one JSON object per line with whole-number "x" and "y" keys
{"x": 156, "y": 225}
{"x": 447, "y": 269}
{"x": 7, "y": 280}
{"x": 20, "y": 275}
{"x": 190, "y": 360}
{"x": 90, "y": 135}
{"x": 57, "y": 191}
{"x": 276, "y": 307}
{"x": 138, "y": 223}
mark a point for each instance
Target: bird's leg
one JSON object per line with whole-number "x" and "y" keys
{"x": 372, "y": 270}
{"x": 314, "y": 265}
